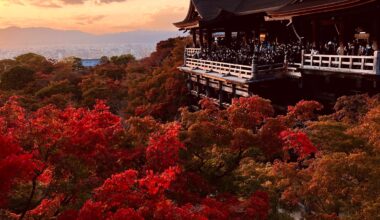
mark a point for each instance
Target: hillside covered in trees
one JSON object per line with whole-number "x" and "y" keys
{"x": 118, "y": 142}
{"x": 151, "y": 86}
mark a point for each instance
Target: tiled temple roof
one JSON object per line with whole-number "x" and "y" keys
{"x": 208, "y": 10}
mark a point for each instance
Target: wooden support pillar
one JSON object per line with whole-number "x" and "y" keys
{"x": 376, "y": 63}
{"x": 342, "y": 36}
{"x": 201, "y": 38}
{"x": 250, "y": 89}
{"x": 376, "y": 29}
{"x": 247, "y": 37}
{"x": 327, "y": 80}
{"x": 286, "y": 62}
{"x": 198, "y": 86}
{"x": 209, "y": 38}
{"x": 220, "y": 93}
{"x": 189, "y": 83}
{"x": 303, "y": 58}
{"x": 257, "y": 33}
{"x": 358, "y": 83}
{"x": 194, "y": 33}
{"x": 374, "y": 83}
{"x": 376, "y": 44}
{"x": 228, "y": 38}
{"x": 254, "y": 65}
{"x": 301, "y": 83}
{"x": 314, "y": 33}
{"x": 208, "y": 88}
{"x": 233, "y": 95}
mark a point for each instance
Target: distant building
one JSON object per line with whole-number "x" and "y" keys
{"x": 90, "y": 62}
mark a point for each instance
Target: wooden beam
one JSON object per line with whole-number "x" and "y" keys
{"x": 194, "y": 33}
{"x": 342, "y": 36}
{"x": 209, "y": 38}
{"x": 376, "y": 30}
{"x": 257, "y": 33}
{"x": 233, "y": 91}
{"x": 201, "y": 38}
{"x": 250, "y": 90}
{"x": 220, "y": 93}
{"x": 247, "y": 37}
{"x": 207, "y": 87}
{"x": 198, "y": 85}
{"x": 228, "y": 37}
{"x": 314, "y": 33}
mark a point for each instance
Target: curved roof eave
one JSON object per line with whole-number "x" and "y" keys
{"x": 211, "y": 9}
{"x": 300, "y": 9}
{"x": 258, "y": 11}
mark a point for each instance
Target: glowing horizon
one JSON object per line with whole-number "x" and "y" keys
{"x": 93, "y": 16}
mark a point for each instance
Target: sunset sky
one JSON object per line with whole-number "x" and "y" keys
{"x": 94, "y": 16}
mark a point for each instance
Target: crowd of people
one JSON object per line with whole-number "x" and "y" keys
{"x": 353, "y": 48}
{"x": 267, "y": 53}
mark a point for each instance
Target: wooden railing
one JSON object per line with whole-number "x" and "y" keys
{"x": 189, "y": 52}
{"x": 344, "y": 64}
{"x": 261, "y": 68}
{"x": 241, "y": 71}
{"x": 228, "y": 69}
{"x": 333, "y": 63}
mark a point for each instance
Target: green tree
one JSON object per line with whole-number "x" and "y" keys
{"x": 94, "y": 87}
{"x": 55, "y": 88}
{"x": 104, "y": 60}
{"x": 74, "y": 62}
{"x": 35, "y": 62}
{"x": 111, "y": 71}
{"x": 6, "y": 65}
{"x": 338, "y": 184}
{"x": 16, "y": 78}
{"x": 123, "y": 59}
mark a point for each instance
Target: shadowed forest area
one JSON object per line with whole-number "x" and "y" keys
{"x": 118, "y": 141}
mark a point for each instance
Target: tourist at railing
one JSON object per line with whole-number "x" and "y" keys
{"x": 353, "y": 48}
{"x": 357, "y": 56}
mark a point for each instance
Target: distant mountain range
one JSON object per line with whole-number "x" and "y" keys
{"x": 21, "y": 37}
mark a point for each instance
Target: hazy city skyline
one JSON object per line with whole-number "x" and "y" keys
{"x": 93, "y": 16}
{"x": 58, "y": 44}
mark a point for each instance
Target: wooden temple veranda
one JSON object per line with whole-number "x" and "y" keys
{"x": 239, "y": 45}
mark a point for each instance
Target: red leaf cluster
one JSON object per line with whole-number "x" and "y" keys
{"x": 163, "y": 150}
{"x": 73, "y": 164}
{"x": 249, "y": 112}
{"x": 299, "y": 142}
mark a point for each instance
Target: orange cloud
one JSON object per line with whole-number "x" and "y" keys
{"x": 94, "y": 16}
{"x": 59, "y": 3}
{"x": 86, "y": 20}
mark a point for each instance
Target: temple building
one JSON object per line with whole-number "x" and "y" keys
{"x": 240, "y": 46}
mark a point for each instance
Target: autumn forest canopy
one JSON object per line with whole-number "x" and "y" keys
{"x": 118, "y": 141}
